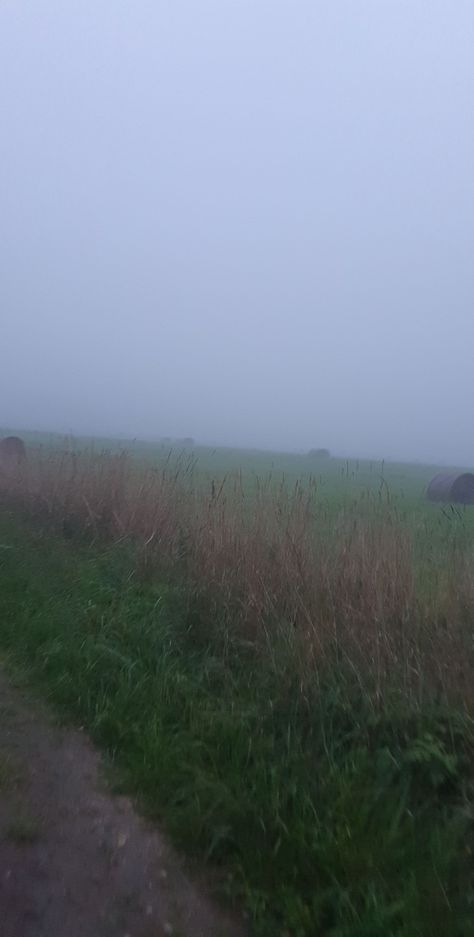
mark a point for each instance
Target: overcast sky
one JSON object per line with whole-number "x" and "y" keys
{"x": 248, "y": 221}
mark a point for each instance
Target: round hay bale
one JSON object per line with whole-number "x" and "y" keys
{"x": 12, "y": 450}
{"x": 455, "y": 489}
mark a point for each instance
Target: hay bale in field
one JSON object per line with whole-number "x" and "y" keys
{"x": 457, "y": 489}
{"x": 12, "y": 451}
{"x": 319, "y": 454}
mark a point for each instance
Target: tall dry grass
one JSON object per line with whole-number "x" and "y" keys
{"x": 275, "y": 565}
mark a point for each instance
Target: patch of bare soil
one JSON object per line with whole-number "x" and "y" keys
{"x": 75, "y": 861}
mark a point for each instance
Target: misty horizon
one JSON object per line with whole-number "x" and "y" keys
{"x": 250, "y": 223}
{"x": 174, "y": 443}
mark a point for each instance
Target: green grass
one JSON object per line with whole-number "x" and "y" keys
{"x": 336, "y": 476}
{"x": 329, "y": 816}
{"x": 23, "y": 829}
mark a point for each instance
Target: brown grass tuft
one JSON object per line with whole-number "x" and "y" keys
{"x": 274, "y": 563}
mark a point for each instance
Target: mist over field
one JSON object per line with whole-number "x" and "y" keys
{"x": 247, "y": 222}
{"x": 237, "y": 242}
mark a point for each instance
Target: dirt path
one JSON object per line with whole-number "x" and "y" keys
{"x": 74, "y": 860}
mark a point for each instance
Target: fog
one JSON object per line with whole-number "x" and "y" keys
{"x": 247, "y": 221}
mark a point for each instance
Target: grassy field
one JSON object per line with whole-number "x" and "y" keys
{"x": 337, "y": 473}
{"x": 278, "y": 656}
